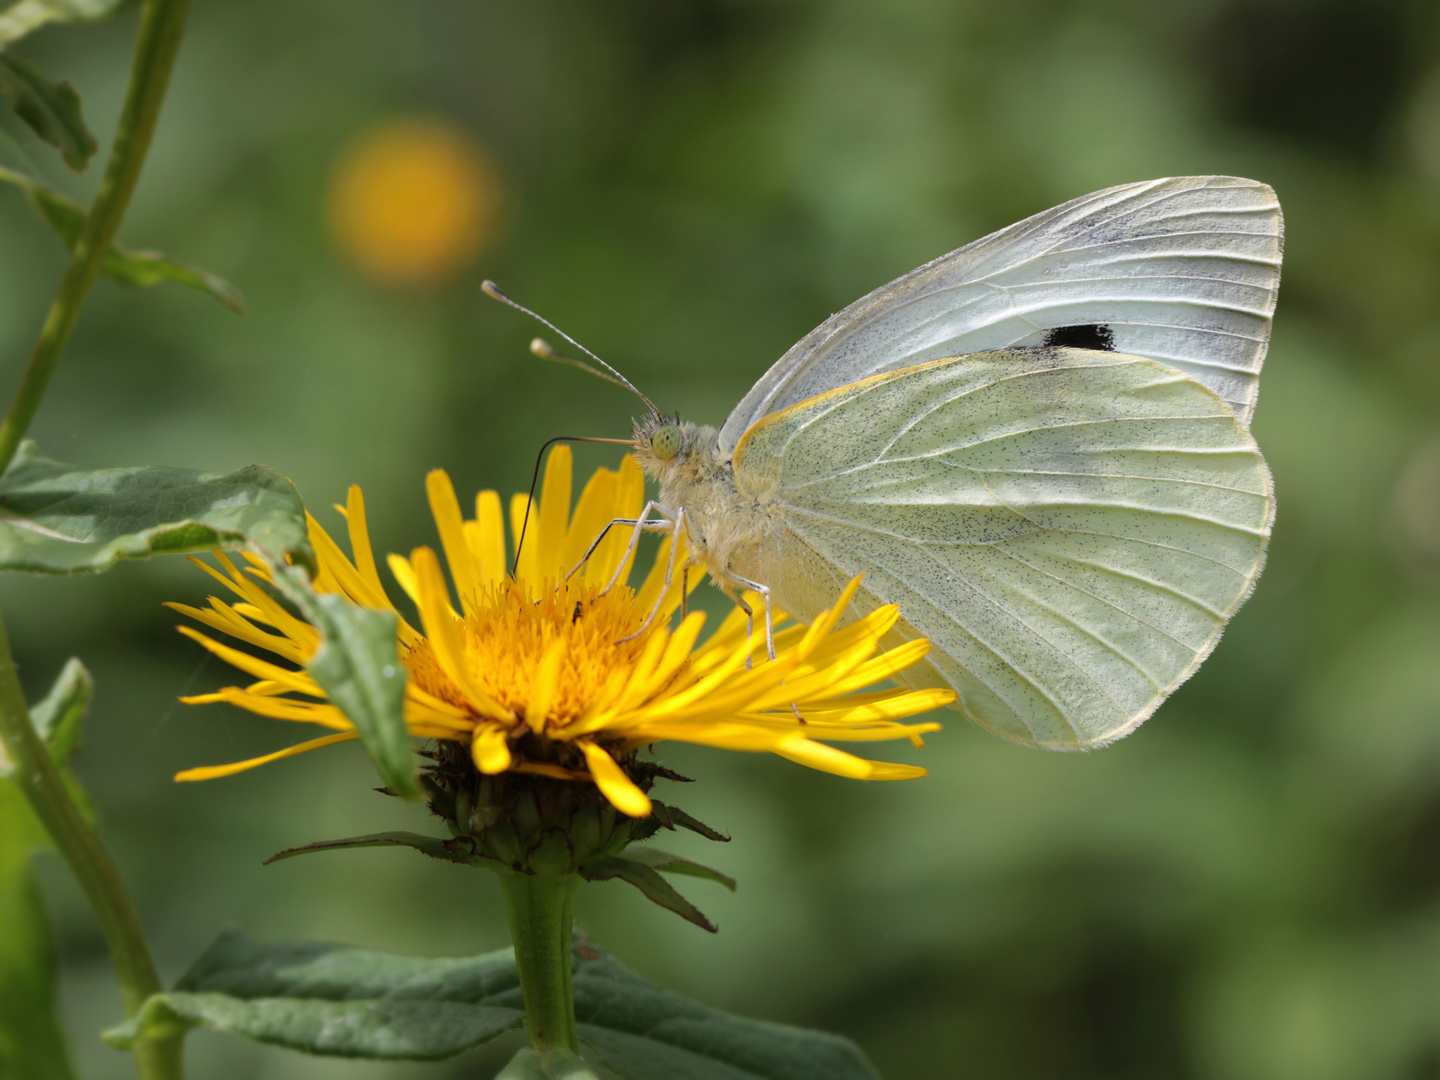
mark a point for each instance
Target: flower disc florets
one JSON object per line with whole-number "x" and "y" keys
{"x": 560, "y": 672}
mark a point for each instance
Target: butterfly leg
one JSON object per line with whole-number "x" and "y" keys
{"x": 734, "y": 594}
{"x": 638, "y": 525}
{"x": 764, "y": 591}
{"x": 677, "y": 527}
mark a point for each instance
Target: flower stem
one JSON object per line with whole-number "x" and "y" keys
{"x": 161, "y": 24}
{"x": 541, "y": 909}
{"x": 39, "y": 778}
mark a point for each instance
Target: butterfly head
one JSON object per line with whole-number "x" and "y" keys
{"x": 660, "y": 438}
{"x": 665, "y": 441}
{"x": 666, "y": 447}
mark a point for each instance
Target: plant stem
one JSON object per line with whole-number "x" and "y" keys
{"x": 161, "y": 24}
{"x": 541, "y": 909}
{"x": 39, "y": 778}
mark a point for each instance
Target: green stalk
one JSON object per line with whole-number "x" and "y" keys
{"x": 541, "y": 909}
{"x": 39, "y": 778}
{"x": 161, "y": 24}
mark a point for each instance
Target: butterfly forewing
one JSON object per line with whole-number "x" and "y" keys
{"x": 1070, "y": 528}
{"x": 1183, "y": 270}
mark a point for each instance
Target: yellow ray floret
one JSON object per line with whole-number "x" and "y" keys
{"x": 544, "y": 672}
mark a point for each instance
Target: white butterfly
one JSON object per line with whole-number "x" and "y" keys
{"x": 1037, "y": 446}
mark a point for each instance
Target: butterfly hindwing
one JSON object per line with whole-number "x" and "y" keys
{"x": 1070, "y": 528}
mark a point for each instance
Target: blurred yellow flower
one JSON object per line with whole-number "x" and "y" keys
{"x": 413, "y": 201}
{"x": 543, "y": 674}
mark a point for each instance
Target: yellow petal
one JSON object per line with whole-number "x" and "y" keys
{"x": 629, "y": 499}
{"x": 282, "y": 708}
{"x": 444, "y": 630}
{"x": 491, "y": 750}
{"x": 212, "y": 772}
{"x": 826, "y": 758}
{"x": 221, "y": 616}
{"x": 446, "y": 510}
{"x": 404, "y": 575}
{"x": 545, "y": 685}
{"x": 360, "y": 539}
{"x": 554, "y": 514}
{"x": 614, "y": 784}
{"x": 487, "y": 537}
{"x": 592, "y": 513}
{"x": 522, "y": 521}
{"x": 252, "y": 665}
{"x": 885, "y": 705}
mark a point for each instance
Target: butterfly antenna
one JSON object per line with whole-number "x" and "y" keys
{"x": 541, "y": 348}
{"x": 535, "y": 480}
{"x": 490, "y": 289}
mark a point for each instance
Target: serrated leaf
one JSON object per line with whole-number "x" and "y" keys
{"x": 66, "y": 218}
{"x": 454, "y": 850}
{"x": 51, "y": 109}
{"x": 59, "y": 519}
{"x": 378, "y": 1004}
{"x": 29, "y": 15}
{"x": 358, "y": 666}
{"x": 556, "y": 1064}
{"x": 649, "y": 882}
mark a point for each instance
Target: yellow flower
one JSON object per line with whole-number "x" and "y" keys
{"x": 542, "y": 674}
{"x": 413, "y": 201}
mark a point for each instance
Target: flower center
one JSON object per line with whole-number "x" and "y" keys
{"x": 569, "y": 637}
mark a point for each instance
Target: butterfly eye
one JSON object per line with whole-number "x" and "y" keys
{"x": 666, "y": 441}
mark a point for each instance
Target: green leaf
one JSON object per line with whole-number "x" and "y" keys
{"x": 358, "y": 666}
{"x": 649, "y": 882}
{"x": 59, "y": 716}
{"x": 58, "y": 519}
{"x": 32, "y": 1043}
{"x": 51, "y": 109}
{"x": 29, "y": 15}
{"x": 139, "y": 268}
{"x": 456, "y": 850}
{"x": 645, "y": 1032}
{"x": 329, "y": 999}
{"x": 555, "y": 1064}
{"x": 337, "y": 1001}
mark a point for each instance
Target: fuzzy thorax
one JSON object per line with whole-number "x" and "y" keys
{"x": 727, "y": 524}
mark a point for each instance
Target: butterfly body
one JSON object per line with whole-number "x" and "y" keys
{"x": 727, "y": 524}
{"x": 1036, "y": 446}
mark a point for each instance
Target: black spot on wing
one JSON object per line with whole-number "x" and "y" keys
{"x": 1090, "y": 336}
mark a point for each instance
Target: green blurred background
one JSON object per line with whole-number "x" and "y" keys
{"x": 1248, "y": 887}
